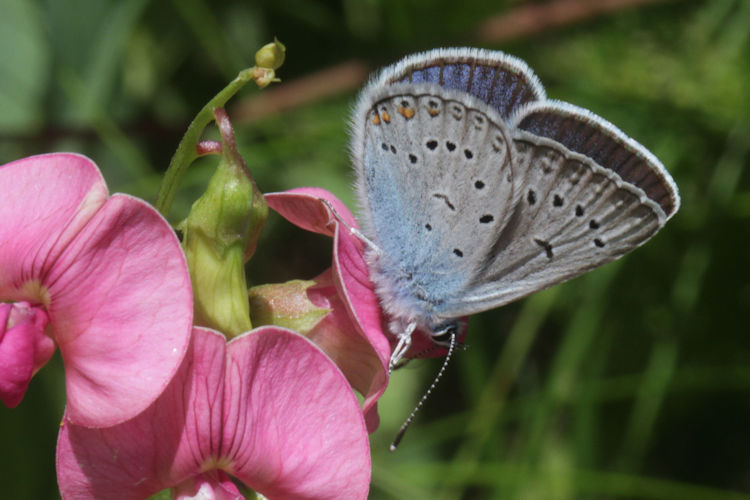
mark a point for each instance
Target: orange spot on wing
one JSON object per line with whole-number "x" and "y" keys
{"x": 386, "y": 117}
{"x": 376, "y": 119}
{"x": 407, "y": 113}
{"x": 433, "y": 111}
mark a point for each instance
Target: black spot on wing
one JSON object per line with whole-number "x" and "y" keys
{"x": 546, "y": 246}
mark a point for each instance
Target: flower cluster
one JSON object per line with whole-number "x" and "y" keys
{"x": 154, "y": 402}
{"x": 177, "y": 376}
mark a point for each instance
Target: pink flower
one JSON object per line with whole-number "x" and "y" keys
{"x": 352, "y": 334}
{"x": 102, "y": 278}
{"x": 268, "y": 408}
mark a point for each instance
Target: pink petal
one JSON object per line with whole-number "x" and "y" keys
{"x": 340, "y": 338}
{"x": 345, "y": 342}
{"x": 121, "y": 308}
{"x": 46, "y": 201}
{"x": 309, "y": 209}
{"x": 303, "y": 207}
{"x": 24, "y": 348}
{"x": 163, "y": 447}
{"x": 278, "y": 415}
{"x": 352, "y": 279}
{"x": 293, "y": 426}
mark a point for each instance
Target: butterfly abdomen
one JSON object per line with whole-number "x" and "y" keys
{"x": 411, "y": 293}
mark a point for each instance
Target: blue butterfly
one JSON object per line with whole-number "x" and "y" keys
{"x": 477, "y": 190}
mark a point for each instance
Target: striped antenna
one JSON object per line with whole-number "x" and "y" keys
{"x": 406, "y": 424}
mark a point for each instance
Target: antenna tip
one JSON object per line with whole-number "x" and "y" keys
{"x": 392, "y": 448}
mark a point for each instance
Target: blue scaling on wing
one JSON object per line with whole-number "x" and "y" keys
{"x": 502, "y": 81}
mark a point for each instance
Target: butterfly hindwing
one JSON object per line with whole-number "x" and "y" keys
{"x": 574, "y": 213}
{"x": 582, "y": 131}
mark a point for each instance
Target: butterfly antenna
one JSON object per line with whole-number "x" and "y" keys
{"x": 426, "y": 395}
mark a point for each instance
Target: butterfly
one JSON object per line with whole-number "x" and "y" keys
{"x": 477, "y": 190}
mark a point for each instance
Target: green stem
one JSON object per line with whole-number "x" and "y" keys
{"x": 186, "y": 152}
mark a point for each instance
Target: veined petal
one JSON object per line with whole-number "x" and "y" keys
{"x": 352, "y": 280}
{"x": 121, "y": 309}
{"x": 164, "y": 446}
{"x": 46, "y": 200}
{"x": 293, "y": 427}
{"x": 269, "y": 408}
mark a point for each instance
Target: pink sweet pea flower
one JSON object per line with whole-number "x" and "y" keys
{"x": 102, "y": 278}
{"x": 268, "y": 408}
{"x": 352, "y": 334}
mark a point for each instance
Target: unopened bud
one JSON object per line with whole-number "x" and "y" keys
{"x": 271, "y": 55}
{"x": 285, "y": 304}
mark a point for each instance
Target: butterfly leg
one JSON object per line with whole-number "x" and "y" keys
{"x": 353, "y": 230}
{"x": 404, "y": 342}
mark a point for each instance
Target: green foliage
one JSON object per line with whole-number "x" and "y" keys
{"x": 630, "y": 382}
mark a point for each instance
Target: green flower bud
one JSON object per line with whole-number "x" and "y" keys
{"x": 271, "y": 55}
{"x": 220, "y": 233}
{"x": 285, "y": 304}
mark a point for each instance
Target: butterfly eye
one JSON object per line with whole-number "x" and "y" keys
{"x": 442, "y": 333}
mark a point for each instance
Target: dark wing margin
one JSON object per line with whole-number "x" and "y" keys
{"x": 583, "y": 132}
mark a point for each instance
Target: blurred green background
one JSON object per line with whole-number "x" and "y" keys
{"x": 630, "y": 382}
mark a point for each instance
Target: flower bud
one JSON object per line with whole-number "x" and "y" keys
{"x": 271, "y": 55}
{"x": 220, "y": 232}
{"x": 285, "y": 304}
